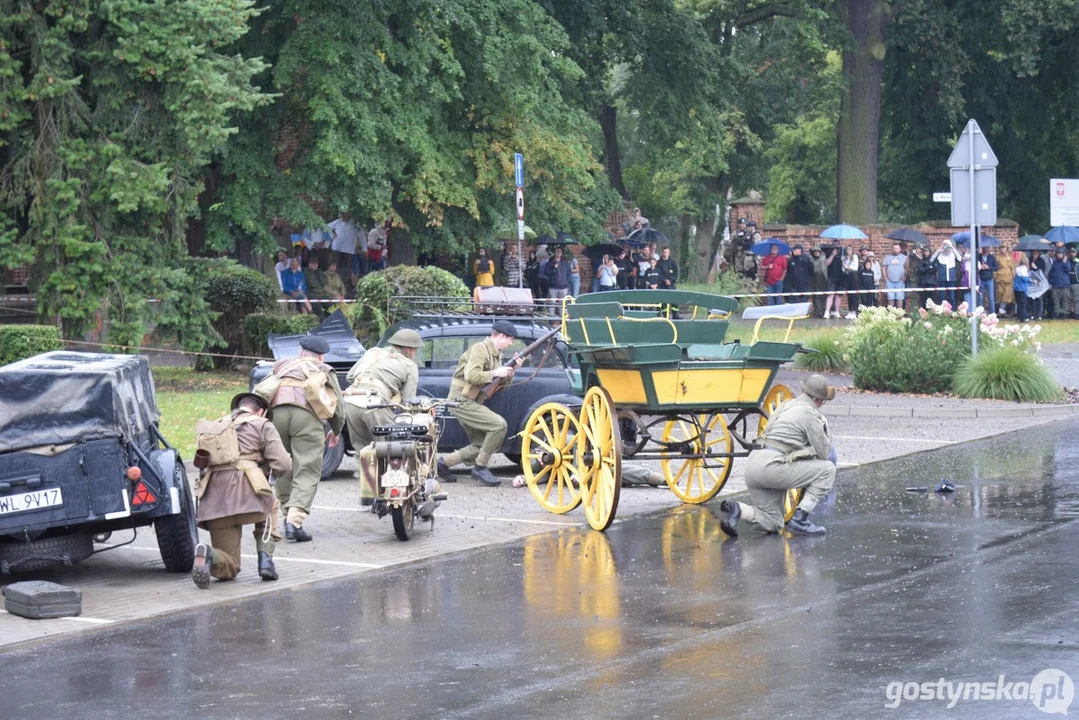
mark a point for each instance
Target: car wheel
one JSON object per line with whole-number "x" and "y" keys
{"x": 68, "y": 549}
{"x": 178, "y": 534}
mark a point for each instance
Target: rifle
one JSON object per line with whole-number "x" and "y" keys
{"x": 493, "y": 387}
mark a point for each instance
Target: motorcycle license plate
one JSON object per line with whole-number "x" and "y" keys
{"x": 395, "y": 478}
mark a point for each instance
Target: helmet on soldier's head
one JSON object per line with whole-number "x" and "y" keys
{"x": 406, "y": 338}
{"x": 817, "y": 387}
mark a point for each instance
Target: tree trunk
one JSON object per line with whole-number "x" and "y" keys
{"x": 858, "y": 130}
{"x": 608, "y": 120}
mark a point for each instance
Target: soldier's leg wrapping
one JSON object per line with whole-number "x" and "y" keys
{"x": 225, "y": 539}
{"x": 266, "y": 536}
{"x": 308, "y": 443}
{"x": 275, "y": 526}
{"x": 282, "y": 418}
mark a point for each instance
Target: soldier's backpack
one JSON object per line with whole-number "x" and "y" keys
{"x": 316, "y": 388}
{"x": 218, "y": 438}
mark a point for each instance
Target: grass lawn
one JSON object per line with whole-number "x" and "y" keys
{"x": 185, "y": 396}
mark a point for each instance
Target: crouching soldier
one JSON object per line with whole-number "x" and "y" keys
{"x": 235, "y": 453}
{"x": 383, "y": 375}
{"x": 797, "y": 453}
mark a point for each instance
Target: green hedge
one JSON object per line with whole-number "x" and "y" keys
{"x": 368, "y": 314}
{"x": 257, "y": 326}
{"x": 18, "y": 342}
{"x": 234, "y": 291}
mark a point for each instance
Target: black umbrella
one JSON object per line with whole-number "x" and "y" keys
{"x": 596, "y": 252}
{"x": 907, "y": 235}
{"x": 1033, "y": 242}
{"x": 646, "y": 235}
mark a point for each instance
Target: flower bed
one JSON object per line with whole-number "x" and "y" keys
{"x": 891, "y": 351}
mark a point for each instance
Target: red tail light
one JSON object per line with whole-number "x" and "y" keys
{"x": 394, "y": 492}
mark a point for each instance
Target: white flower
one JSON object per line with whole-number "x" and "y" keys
{"x": 1015, "y": 342}
{"x": 928, "y": 325}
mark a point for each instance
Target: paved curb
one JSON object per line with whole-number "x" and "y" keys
{"x": 950, "y": 412}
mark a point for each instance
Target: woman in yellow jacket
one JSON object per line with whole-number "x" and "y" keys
{"x": 1003, "y": 278}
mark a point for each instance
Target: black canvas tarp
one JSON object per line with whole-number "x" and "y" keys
{"x": 63, "y": 397}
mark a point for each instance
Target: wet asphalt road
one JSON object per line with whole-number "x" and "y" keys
{"x": 662, "y": 617}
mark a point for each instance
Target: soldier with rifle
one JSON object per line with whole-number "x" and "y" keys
{"x": 479, "y": 374}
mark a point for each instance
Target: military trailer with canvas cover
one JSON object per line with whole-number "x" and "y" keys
{"x": 81, "y": 455}
{"x": 659, "y": 383}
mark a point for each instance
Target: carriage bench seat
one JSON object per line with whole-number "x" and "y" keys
{"x": 708, "y": 351}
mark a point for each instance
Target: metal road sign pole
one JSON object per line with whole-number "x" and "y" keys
{"x": 519, "y": 177}
{"x": 973, "y": 276}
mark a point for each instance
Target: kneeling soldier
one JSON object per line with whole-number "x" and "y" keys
{"x": 479, "y": 366}
{"x": 797, "y": 453}
{"x": 383, "y": 375}
{"x": 237, "y": 450}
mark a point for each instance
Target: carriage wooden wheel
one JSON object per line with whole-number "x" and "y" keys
{"x": 778, "y": 395}
{"x": 790, "y": 502}
{"x": 690, "y": 473}
{"x": 601, "y": 458}
{"x": 551, "y": 445}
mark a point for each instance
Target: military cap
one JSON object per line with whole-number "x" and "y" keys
{"x": 816, "y": 386}
{"x": 315, "y": 344}
{"x": 505, "y": 327}
{"x": 406, "y": 338}
{"x": 258, "y": 400}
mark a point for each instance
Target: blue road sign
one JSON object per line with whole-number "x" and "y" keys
{"x": 519, "y": 169}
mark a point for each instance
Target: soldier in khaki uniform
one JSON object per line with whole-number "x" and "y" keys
{"x": 480, "y": 365}
{"x": 797, "y": 453}
{"x": 301, "y": 430}
{"x": 231, "y": 496}
{"x": 384, "y": 374}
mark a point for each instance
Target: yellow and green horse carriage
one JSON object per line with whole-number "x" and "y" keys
{"x": 659, "y": 383}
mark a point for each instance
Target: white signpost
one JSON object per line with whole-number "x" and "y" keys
{"x": 973, "y": 170}
{"x": 1063, "y": 202}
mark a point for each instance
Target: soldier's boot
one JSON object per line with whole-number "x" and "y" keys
{"x": 800, "y": 524}
{"x": 444, "y": 465}
{"x": 200, "y": 571}
{"x": 729, "y": 524}
{"x": 267, "y": 571}
{"x": 294, "y": 526}
{"x": 485, "y": 476}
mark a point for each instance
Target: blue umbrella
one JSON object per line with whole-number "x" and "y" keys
{"x": 843, "y": 232}
{"x": 1064, "y": 233}
{"x": 764, "y": 247}
{"x": 963, "y": 238}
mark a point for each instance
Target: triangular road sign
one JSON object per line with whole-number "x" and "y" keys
{"x": 983, "y": 154}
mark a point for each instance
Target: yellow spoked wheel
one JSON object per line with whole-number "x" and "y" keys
{"x": 550, "y": 446}
{"x": 688, "y": 477}
{"x": 601, "y": 458}
{"x": 778, "y": 395}
{"x": 790, "y": 502}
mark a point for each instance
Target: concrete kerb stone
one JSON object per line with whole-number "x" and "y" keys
{"x": 951, "y": 412}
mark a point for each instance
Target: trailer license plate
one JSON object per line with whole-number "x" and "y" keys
{"x": 33, "y": 500}
{"x": 395, "y": 478}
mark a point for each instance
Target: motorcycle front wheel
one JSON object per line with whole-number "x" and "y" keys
{"x": 403, "y": 519}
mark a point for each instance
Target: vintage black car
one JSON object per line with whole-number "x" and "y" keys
{"x": 81, "y": 456}
{"x": 445, "y": 340}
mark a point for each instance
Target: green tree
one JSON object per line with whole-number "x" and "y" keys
{"x": 108, "y": 113}
{"x": 413, "y": 109}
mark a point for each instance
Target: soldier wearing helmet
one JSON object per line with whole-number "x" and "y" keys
{"x": 796, "y": 453}
{"x": 383, "y": 375}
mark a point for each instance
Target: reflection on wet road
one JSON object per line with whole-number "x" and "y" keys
{"x": 662, "y": 616}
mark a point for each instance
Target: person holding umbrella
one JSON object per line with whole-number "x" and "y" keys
{"x": 987, "y": 268}
{"x": 1037, "y": 277}
{"x": 851, "y": 280}
{"x": 774, "y": 267}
